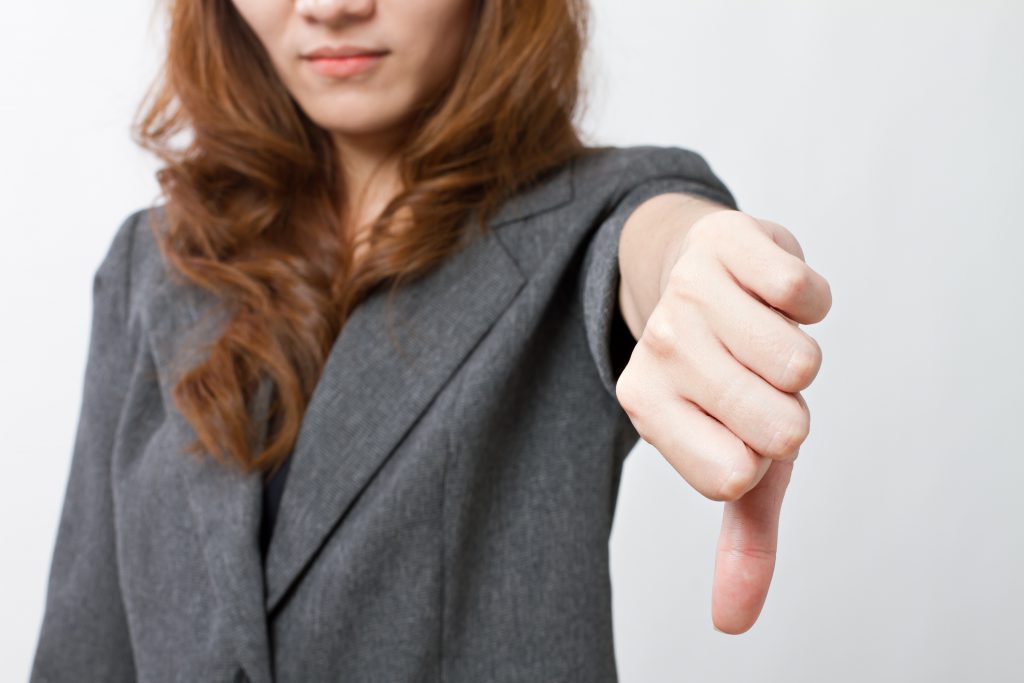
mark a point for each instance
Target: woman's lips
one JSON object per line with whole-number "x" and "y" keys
{"x": 339, "y": 67}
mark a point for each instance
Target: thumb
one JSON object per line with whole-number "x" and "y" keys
{"x": 745, "y": 558}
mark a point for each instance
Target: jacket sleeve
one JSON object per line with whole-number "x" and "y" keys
{"x": 643, "y": 172}
{"x": 84, "y": 634}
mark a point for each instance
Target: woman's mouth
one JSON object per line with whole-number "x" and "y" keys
{"x": 339, "y": 67}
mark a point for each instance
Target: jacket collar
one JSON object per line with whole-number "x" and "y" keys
{"x": 383, "y": 371}
{"x": 379, "y": 377}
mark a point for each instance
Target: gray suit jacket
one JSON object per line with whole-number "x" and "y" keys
{"x": 450, "y": 500}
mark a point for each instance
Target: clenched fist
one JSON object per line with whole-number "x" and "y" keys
{"x": 714, "y": 380}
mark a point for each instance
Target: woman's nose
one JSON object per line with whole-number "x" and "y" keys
{"x": 332, "y": 10}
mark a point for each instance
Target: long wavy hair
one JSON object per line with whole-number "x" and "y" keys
{"x": 253, "y": 209}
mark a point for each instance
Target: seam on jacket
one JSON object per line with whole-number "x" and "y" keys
{"x": 132, "y": 344}
{"x": 130, "y": 267}
{"x": 441, "y": 598}
{"x": 451, "y": 448}
{"x": 441, "y": 591}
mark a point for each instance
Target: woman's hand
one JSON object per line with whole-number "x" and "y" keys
{"x": 714, "y": 380}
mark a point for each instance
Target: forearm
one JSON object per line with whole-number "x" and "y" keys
{"x": 648, "y": 248}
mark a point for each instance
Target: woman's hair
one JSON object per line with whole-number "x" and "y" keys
{"x": 254, "y": 199}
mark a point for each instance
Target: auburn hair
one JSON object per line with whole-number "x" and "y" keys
{"x": 253, "y": 209}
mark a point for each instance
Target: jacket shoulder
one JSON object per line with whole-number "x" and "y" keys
{"x": 619, "y": 170}
{"x": 147, "y": 271}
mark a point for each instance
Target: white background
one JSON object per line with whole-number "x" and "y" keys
{"x": 886, "y": 135}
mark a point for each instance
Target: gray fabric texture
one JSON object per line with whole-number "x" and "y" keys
{"x": 451, "y": 493}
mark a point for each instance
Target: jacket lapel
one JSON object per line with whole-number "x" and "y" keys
{"x": 383, "y": 371}
{"x": 225, "y": 503}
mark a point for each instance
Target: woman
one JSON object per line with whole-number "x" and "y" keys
{"x": 280, "y": 473}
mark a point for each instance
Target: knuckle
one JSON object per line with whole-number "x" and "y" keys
{"x": 659, "y": 336}
{"x": 739, "y": 480}
{"x": 787, "y": 439}
{"x": 728, "y": 492}
{"x": 802, "y": 366}
{"x": 791, "y": 283}
{"x": 627, "y": 392}
{"x": 635, "y": 397}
